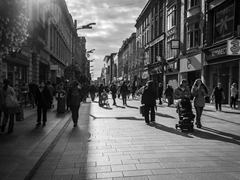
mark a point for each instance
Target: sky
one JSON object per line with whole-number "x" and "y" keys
{"x": 115, "y": 20}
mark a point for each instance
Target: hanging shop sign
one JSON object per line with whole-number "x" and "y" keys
{"x": 233, "y": 47}
{"x": 192, "y": 63}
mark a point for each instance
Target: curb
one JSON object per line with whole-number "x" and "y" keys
{"x": 30, "y": 164}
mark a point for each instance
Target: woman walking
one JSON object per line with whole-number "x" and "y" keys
{"x": 10, "y": 106}
{"x": 199, "y": 92}
{"x": 234, "y": 95}
{"x": 149, "y": 101}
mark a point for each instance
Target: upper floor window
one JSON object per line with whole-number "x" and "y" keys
{"x": 193, "y": 3}
{"x": 171, "y": 17}
{"x": 193, "y": 35}
{"x": 223, "y": 22}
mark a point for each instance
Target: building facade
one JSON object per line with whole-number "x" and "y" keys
{"x": 222, "y": 25}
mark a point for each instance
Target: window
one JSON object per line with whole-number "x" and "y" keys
{"x": 223, "y": 22}
{"x": 193, "y": 3}
{"x": 161, "y": 21}
{"x": 193, "y": 35}
{"x": 171, "y": 53}
{"x": 171, "y": 17}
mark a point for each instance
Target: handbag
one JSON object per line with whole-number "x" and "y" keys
{"x": 142, "y": 110}
{"x": 11, "y": 101}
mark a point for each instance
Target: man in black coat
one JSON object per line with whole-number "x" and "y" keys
{"x": 149, "y": 101}
{"x": 43, "y": 99}
{"x": 113, "y": 89}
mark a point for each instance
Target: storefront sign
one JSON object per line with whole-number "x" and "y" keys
{"x": 191, "y": 63}
{"x": 233, "y": 47}
{"x": 216, "y": 52}
{"x": 175, "y": 44}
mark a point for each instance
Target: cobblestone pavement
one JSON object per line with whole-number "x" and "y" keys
{"x": 114, "y": 143}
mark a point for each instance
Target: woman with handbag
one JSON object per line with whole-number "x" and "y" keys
{"x": 10, "y": 106}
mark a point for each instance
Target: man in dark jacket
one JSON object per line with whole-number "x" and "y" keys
{"x": 219, "y": 96}
{"x": 149, "y": 101}
{"x": 100, "y": 91}
{"x": 124, "y": 92}
{"x": 75, "y": 96}
{"x": 43, "y": 100}
{"x": 160, "y": 92}
{"x": 113, "y": 89}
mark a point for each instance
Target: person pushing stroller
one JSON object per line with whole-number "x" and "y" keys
{"x": 184, "y": 107}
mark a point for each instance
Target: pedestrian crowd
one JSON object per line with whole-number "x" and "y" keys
{"x": 12, "y": 101}
{"x": 198, "y": 94}
{"x": 70, "y": 95}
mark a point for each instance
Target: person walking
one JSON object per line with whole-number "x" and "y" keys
{"x": 113, "y": 89}
{"x": 43, "y": 99}
{"x": 218, "y": 95}
{"x": 75, "y": 96}
{"x": 92, "y": 91}
{"x": 199, "y": 92}
{"x": 61, "y": 99}
{"x": 234, "y": 95}
{"x": 149, "y": 101}
{"x": 133, "y": 88}
{"x": 124, "y": 93}
{"x": 10, "y": 106}
{"x": 100, "y": 91}
{"x": 169, "y": 94}
{"x": 160, "y": 92}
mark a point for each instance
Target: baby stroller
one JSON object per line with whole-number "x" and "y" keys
{"x": 186, "y": 116}
{"x": 104, "y": 99}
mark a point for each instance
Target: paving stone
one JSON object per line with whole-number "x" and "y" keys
{"x": 109, "y": 175}
{"x": 137, "y": 173}
{"x": 149, "y": 166}
{"x": 128, "y": 167}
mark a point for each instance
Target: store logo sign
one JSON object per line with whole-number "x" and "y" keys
{"x": 233, "y": 47}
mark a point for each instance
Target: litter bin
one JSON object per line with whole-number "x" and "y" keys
{"x": 61, "y": 101}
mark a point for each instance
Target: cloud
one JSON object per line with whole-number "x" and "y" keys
{"x": 115, "y": 20}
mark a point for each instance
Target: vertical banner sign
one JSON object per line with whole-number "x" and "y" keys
{"x": 233, "y": 47}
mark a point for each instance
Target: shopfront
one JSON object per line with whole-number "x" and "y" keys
{"x": 190, "y": 68}
{"x": 221, "y": 68}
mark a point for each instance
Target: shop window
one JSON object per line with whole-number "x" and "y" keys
{"x": 171, "y": 17}
{"x": 223, "y": 22}
{"x": 193, "y": 35}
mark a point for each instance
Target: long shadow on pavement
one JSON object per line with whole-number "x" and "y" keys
{"x": 120, "y": 106}
{"x": 164, "y": 115}
{"x": 231, "y": 112}
{"x": 214, "y": 117}
{"x": 170, "y": 130}
{"x": 118, "y": 118}
{"x": 232, "y": 136}
{"x": 133, "y": 107}
{"x": 210, "y": 135}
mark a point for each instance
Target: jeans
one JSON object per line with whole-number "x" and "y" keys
{"x": 199, "y": 111}
{"x": 147, "y": 109}
{"x": 41, "y": 114}
{"x": 114, "y": 99}
{"x": 233, "y": 102}
{"x": 75, "y": 115}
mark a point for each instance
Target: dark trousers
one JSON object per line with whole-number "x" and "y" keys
{"x": 199, "y": 111}
{"x": 160, "y": 99}
{"x": 170, "y": 100}
{"x": 124, "y": 98}
{"x": 233, "y": 102}
{"x": 41, "y": 114}
{"x": 114, "y": 99}
{"x": 92, "y": 96}
{"x": 218, "y": 105}
{"x": 74, "y": 110}
{"x": 7, "y": 116}
{"x": 146, "y": 113}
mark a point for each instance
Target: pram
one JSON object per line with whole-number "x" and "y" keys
{"x": 104, "y": 99}
{"x": 186, "y": 116}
